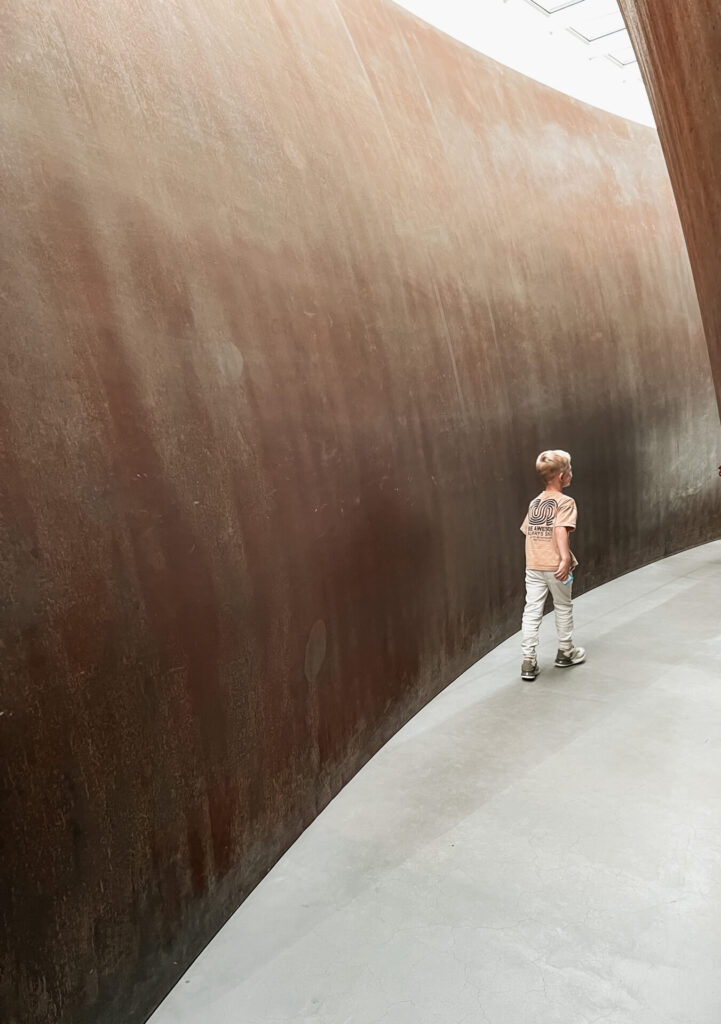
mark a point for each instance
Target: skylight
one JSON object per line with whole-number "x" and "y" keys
{"x": 580, "y": 47}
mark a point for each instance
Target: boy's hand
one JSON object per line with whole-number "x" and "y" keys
{"x": 563, "y": 570}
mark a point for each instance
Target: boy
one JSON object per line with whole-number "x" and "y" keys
{"x": 549, "y": 561}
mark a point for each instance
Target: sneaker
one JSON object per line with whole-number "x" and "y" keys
{"x": 564, "y": 659}
{"x": 529, "y": 670}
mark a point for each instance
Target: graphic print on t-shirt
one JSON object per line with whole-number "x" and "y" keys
{"x": 545, "y": 514}
{"x": 541, "y": 514}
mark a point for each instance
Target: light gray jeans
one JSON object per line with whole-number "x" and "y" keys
{"x": 538, "y": 585}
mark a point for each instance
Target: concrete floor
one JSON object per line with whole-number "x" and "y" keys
{"x": 544, "y": 853}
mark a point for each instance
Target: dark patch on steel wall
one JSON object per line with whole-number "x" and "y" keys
{"x": 292, "y": 298}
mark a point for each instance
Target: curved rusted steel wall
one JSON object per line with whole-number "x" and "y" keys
{"x": 293, "y": 294}
{"x": 679, "y": 51}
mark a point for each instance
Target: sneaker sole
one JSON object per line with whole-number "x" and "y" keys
{"x": 531, "y": 678}
{"x": 568, "y": 664}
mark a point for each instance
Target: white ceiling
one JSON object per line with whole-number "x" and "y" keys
{"x": 580, "y": 47}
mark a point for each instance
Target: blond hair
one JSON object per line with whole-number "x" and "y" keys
{"x": 552, "y": 462}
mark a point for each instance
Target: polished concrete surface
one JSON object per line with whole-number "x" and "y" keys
{"x": 545, "y": 853}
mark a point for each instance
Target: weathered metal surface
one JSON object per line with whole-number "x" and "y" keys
{"x": 679, "y": 51}
{"x": 292, "y": 295}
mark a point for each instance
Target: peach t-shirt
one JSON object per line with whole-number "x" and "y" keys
{"x": 549, "y": 510}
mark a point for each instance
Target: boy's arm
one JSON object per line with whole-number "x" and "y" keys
{"x": 564, "y": 566}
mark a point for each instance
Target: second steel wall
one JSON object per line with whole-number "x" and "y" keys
{"x": 293, "y": 295}
{"x": 678, "y": 47}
